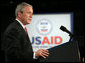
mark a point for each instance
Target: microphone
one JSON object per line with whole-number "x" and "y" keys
{"x": 65, "y": 30}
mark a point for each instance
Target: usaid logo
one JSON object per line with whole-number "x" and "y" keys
{"x": 44, "y": 26}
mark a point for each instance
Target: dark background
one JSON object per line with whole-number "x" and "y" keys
{"x": 48, "y": 6}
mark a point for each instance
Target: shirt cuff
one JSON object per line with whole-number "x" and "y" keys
{"x": 34, "y": 56}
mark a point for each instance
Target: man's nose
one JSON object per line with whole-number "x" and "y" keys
{"x": 30, "y": 15}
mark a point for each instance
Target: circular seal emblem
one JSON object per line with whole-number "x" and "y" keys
{"x": 44, "y": 26}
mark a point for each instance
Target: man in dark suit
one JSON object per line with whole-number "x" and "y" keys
{"x": 16, "y": 43}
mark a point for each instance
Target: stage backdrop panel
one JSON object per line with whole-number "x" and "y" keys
{"x": 44, "y": 30}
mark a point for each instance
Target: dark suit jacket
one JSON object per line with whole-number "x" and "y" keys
{"x": 16, "y": 44}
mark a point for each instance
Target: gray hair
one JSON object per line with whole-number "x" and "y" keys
{"x": 20, "y": 7}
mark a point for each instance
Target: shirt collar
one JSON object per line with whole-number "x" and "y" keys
{"x": 21, "y": 23}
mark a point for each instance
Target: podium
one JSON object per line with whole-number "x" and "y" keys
{"x": 67, "y": 52}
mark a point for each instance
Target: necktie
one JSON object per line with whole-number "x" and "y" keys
{"x": 26, "y": 30}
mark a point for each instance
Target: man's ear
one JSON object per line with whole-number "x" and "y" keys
{"x": 19, "y": 14}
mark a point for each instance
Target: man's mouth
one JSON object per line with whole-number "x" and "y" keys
{"x": 29, "y": 18}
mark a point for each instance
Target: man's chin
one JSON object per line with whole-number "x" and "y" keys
{"x": 26, "y": 23}
{"x": 29, "y": 22}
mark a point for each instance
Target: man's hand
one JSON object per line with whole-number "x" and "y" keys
{"x": 42, "y": 52}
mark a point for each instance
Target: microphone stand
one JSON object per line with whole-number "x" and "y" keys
{"x": 71, "y": 36}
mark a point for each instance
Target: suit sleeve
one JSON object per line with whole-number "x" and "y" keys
{"x": 11, "y": 46}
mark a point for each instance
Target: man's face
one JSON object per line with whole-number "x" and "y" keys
{"x": 26, "y": 16}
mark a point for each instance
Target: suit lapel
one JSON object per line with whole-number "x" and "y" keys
{"x": 21, "y": 30}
